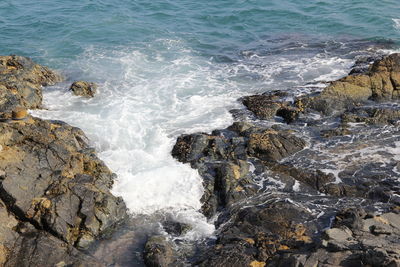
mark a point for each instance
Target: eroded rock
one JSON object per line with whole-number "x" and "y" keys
{"x": 83, "y": 88}
{"x": 21, "y": 81}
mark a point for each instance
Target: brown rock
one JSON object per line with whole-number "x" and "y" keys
{"x": 82, "y": 88}
{"x": 19, "y": 113}
{"x": 21, "y": 81}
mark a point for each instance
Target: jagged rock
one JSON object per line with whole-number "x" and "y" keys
{"x": 82, "y": 88}
{"x": 158, "y": 252}
{"x": 271, "y": 104}
{"x": 176, "y": 228}
{"x": 54, "y": 182}
{"x": 256, "y": 233}
{"x": 352, "y": 242}
{"x": 21, "y": 81}
{"x": 221, "y": 159}
{"x": 374, "y": 116}
{"x": 380, "y": 82}
{"x": 272, "y": 145}
{"x": 314, "y": 179}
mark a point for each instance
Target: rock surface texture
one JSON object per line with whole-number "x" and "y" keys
{"x": 320, "y": 187}
{"x": 82, "y": 88}
{"x": 55, "y": 198}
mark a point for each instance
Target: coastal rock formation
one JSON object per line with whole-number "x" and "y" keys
{"x": 380, "y": 83}
{"x": 282, "y": 201}
{"x": 222, "y": 159}
{"x": 82, "y": 88}
{"x": 21, "y": 81}
{"x": 158, "y": 252}
{"x": 55, "y": 198}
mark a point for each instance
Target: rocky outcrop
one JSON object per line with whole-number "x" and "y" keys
{"x": 380, "y": 83}
{"x": 222, "y": 159}
{"x": 55, "y": 198}
{"x": 21, "y": 81}
{"x": 82, "y": 88}
{"x": 158, "y": 252}
{"x": 278, "y": 200}
{"x": 356, "y": 239}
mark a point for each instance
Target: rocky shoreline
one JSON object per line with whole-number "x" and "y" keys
{"x": 268, "y": 187}
{"x": 297, "y": 180}
{"x": 55, "y": 199}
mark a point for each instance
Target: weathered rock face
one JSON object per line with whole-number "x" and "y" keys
{"x": 282, "y": 203}
{"x": 52, "y": 180}
{"x": 21, "y": 81}
{"x": 257, "y": 233}
{"x": 82, "y": 88}
{"x": 221, "y": 159}
{"x": 381, "y": 82}
{"x": 55, "y": 198}
{"x": 158, "y": 252}
{"x": 356, "y": 239}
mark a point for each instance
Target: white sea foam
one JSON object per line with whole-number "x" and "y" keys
{"x": 149, "y": 95}
{"x": 396, "y": 23}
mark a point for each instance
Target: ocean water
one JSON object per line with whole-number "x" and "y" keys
{"x": 170, "y": 67}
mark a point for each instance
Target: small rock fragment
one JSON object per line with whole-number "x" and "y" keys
{"x": 82, "y": 88}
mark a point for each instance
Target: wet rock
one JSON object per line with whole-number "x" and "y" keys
{"x": 158, "y": 252}
{"x": 372, "y": 116}
{"x": 271, "y": 104}
{"x": 263, "y": 106}
{"x": 317, "y": 180}
{"x": 381, "y": 82}
{"x": 83, "y": 88}
{"x": 256, "y": 234}
{"x": 55, "y": 183}
{"x": 221, "y": 159}
{"x": 272, "y": 145}
{"x": 176, "y": 228}
{"x": 21, "y": 81}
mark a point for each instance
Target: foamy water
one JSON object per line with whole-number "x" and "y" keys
{"x": 148, "y": 96}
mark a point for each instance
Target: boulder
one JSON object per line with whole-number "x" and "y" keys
{"x": 21, "y": 82}
{"x": 273, "y": 145}
{"x": 380, "y": 83}
{"x": 54, "y": 182}
{"x": 158, "y": 252}
{"x": 82, "y": 88}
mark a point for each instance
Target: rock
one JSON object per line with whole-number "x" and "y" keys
{"x": 222, "y": 159}
{"x": 176, "y": 228}
{"x": 271, "y": 104}
{"x": 82, "y": 88}
{"x": 272, "y": 145}
{"x": 158, "y": 252}
{"x": 380, "y": 82}
{"x": 314, "y": 179}
{"x": 54, "y": 182}
{"x": 372, "y": 116}
{"x": 255, "y": 234}
{"x": 19, "y": 113}
{"x": 21, "y": 81}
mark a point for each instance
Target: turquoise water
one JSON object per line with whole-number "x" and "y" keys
{"x": 56, "y": 30}
{"x": 171, "y": 67}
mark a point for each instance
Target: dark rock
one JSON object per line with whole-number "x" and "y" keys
{"x": 176, "y": 228}
{"x": 82, "y": 88}
{"x": 272, "y": 145}
{"x": 256, "y": 234}
{"x": 21, "y": 81}
{"x": 158, "y": 252}
{"x": 53, "y": 181}
{"x": 372, "y": 116}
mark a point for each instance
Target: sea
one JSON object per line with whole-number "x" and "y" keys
{"x": 165, "y": 68}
